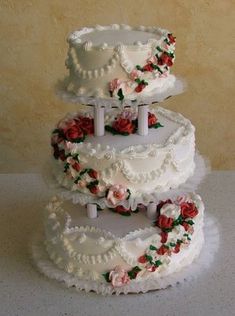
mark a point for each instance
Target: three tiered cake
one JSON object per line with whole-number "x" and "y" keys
{"x": 126, "y": 166}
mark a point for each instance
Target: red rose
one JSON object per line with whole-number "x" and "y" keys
{"x": 56, "y": 151}
{"x": 73, "y": 133}
{"x": 140, "y": 87}
{"x": 151, "y": 268}
{"x": 171, "y": 38}
{"x": 165, "y": 60}
{"x": 87, "y": 125}
{"x": 142, "y": 259}
{"x": 148, "y": 67}
{"x": 93, "y": 174}
{"x": 164, "y": 221}
{"x": 123, "y": 125}
{"x": 164, "y": 236}
{"x": 162, "y": 250}
{"x": 121, "y": 209}
{"x": 56, "y": 139}
{"x": 188, "y": 210}
{"x": 94, "y": 189}
{"x": 177, "y": 248}
{"x": 186, "y": 226}
{"x": 76, "y": 165}
{"x": 152, "y": 119}
{"x": 62, "y": 155}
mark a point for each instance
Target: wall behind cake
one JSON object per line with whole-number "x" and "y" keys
{"x": 33, "y": 51}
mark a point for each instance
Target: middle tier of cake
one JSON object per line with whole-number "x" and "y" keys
{"x": 158, "y": 162}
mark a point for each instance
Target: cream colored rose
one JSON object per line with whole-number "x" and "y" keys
{"x": 116, "y": 194}
{"x": 170, "y": 210}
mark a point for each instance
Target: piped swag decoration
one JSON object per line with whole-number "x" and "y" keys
{"x": 175, "y": 221}
{"x": 156, "y": 66}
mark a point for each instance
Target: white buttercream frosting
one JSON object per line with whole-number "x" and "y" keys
{"x": 100, "y": 54}
{"x": 155, "y": 163}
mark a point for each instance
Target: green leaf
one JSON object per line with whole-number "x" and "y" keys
{"x": 135, "y": 211}
{"x": 106, "y": 276}
{"x": 167, "y": 230}
{"x": 138, "y": 67}
{"x": 57, "y": 130}
{"x": 92, "y": 184}
{"x": 114, "y": 132}
{"x": 151, "y": 247}
{"x": 157, "y": 125}
{"x": 133, "y": 272}
{"x": 83, "y": 171}
{"x": 172, "y": 244}
{"x": 120, "y": 94}
{"x": 159, "y": 49}
{"x": 138, "y": 80}
{"x": 190, "y": 222}
{"x": 129, "y": 194}
{"x": 158, "y": 263}
{"x": 161, "y": 72}
{"x": 166, "y": 40}
{"x": 178, "y": 221}
{"x": 149, "y": 258}
{"x": 78, "y": 179}
{"x": 66, "y": 167}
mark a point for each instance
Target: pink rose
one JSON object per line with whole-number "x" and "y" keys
{"x": 65, "y": 122}
{"x": 152, "y": 60}
{"x": 129, "y": 115}
{"x": 117, "y": 193}
{"x": 119, "y": 277}
{"x": 182, "y": 199}
{"x": 56, "y": 139}
{"x": 114, "y": 84}
{"x": 135, "y": 74}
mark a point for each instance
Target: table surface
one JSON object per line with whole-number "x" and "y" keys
{"x": 24, "y": 291}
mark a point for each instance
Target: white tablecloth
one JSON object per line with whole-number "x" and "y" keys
{"x": 24, "y": 291}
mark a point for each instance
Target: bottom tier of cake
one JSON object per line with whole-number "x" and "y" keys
{"x": 124, "y": 251}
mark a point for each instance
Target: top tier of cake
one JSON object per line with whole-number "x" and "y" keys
{"x": 120, "y": 61}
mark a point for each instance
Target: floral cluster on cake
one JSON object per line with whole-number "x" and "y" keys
{"x": 157, "y": 66}
{"x": 126, "y": 123}
{"x": 175, "y": 221}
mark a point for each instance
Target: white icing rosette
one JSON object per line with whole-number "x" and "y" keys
{"x": 170, "y": 210}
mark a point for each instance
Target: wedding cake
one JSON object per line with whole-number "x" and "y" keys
{"x": 125, "y": 219}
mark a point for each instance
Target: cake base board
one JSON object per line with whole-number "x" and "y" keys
{"x": 191, "y": 272}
